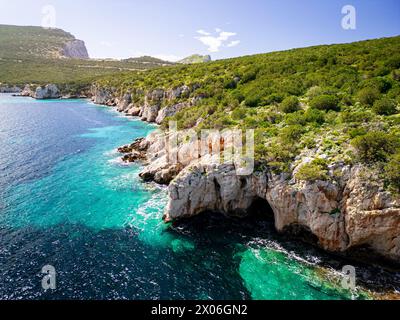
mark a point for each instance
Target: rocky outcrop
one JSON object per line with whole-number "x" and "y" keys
{"x": 102, "y": 96}
{"x": 49, "y": 91}
{"x": 135, "y": 151}
{"x": 75, "y": 49}
{"x": 124, "y": 102}
{"x": 170, "y": 111}
{"x": 27, "y": 91}
{"x": 196, "y": 58}
{"x": 342, "y": 214}
{"x": 352, "y": 209}
{"x": 156, "y": 104}
{"x": 9, "y": 89}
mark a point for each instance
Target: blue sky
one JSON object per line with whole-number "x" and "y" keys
{"x": 222, "y": 28}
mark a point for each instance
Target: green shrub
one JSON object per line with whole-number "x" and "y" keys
{"x": 315, "y": 116}
{"x": 290, "y": 104}
{"x": 367, "y": 96}
{"x": 314, "y": 92}
{"x": 252, "y": 101}
{"x": 385, "y": 107}
{"x": 375, "y": 146}
{"x": 392, "y": 172}
{"x": 239, "y": 114}
{"x": 393, "y": 62}
{"x": 325, "y": 102}
{"x": 313, "y": 171}
{"x": 382, "y": 84}
{"x": 292, "y": 134}
{"x": 355, "y": 117}
{"x": 356, "y": 132}
{"x": 297, "y": 117}
{"x": 273, "y": 98}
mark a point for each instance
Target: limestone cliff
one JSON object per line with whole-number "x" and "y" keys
{"x": 153, "y": 106}
{"x": 350, "y": 209}
{"x": 49, "y": 91}
{"x": 75, "y": 49}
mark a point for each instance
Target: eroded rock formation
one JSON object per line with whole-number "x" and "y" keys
{"x": 351, "y": 209}
{"x": 75, "y": 49}
{"x": 49, "y": 91}
{"x": 155, "y": 105}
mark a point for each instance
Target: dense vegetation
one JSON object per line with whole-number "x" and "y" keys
{"x": 339, "y": 103}
{"x": 32, "y": 55}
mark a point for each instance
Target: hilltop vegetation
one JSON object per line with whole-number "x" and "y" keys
{"x": 34, "y": 55}
{"x": 28, "y": 42}
{"x": 337, "y": 103}
{"x": 195, "y": 58}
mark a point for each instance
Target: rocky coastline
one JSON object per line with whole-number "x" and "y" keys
{"x": 43, "y": 92}
{"x": 350, "y": 210}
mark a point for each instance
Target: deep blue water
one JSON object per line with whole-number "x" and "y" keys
{"x": 66, "y": 201}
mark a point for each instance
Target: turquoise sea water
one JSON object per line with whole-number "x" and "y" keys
{"x": 67, "y": 201}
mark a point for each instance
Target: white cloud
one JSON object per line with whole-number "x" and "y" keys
{"x": 233, "y": 43}
{"x": 214, "y": 43}
{"x": 202, "y": 32}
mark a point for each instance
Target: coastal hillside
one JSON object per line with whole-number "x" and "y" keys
{"x": 337, "y": 98}
{"x": 327, "y": 139}
{"x": 27, "y": 42}
{"x": 38, "y": 55}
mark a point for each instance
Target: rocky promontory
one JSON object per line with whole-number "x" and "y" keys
{"x": 49, "y": 91}
{"x": 152, "y": 106}
{"x": 349, "y": 209}
{"x": 75, "y": 49}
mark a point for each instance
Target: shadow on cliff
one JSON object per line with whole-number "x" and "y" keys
{"x": 215, "y": 229}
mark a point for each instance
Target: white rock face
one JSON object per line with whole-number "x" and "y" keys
{"x": 50, "y": 91}
{"x": 341, "y": 215}
{"x": 352, "y": 209}
{"x": 75, "y": 49}
{"x": 101, "y": 95}
{"x": 27, "y": 92}
{"x": 169, "y": 111}
{"x": 149, "y": 113}
{"x": 348, "y": 211}
{"x": 156, "y": 104}
{"x": 124, "y": 102}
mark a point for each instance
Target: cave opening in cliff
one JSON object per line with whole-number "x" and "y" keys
{"x": 261, "y": 209}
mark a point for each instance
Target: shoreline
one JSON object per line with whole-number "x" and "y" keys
{"x": 161, "y": 173}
